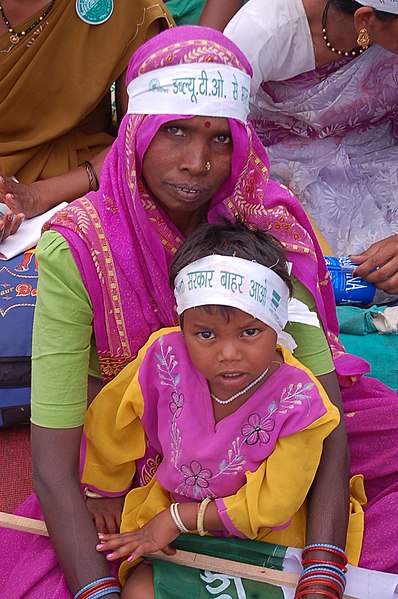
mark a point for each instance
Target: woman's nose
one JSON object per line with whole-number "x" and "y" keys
{"x": 195, "y": 158}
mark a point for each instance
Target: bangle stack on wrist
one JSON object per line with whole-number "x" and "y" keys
{"x": 99, "y": 588}
{"x": 325, "y": 578}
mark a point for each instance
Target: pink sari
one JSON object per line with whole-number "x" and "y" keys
{"x": 123, "y": 244}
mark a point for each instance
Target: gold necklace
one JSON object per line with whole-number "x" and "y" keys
{"x": 15, "y": 37}
{"x": 354, "y": 52}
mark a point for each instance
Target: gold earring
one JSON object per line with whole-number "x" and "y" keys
{"x": 363, "y": 38}
{"x": 208, "y": 166}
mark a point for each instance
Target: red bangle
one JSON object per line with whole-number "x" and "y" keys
{"x": 327, "y": 550}
{"x": 106, "y": 584}
{"x": 314, "y": 592}
{"x": 326, "y": 563}
{"x": 323, "y": 582}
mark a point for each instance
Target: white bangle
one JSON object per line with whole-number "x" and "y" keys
{"x": 91, "y": 494}
{"x": 201, "y": 516}
{"x": 175, "y": 515}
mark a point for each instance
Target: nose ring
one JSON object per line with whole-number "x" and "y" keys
{"x": 208, "y": 166}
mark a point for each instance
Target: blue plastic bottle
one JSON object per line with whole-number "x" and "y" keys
{"x": 348, "y": 290}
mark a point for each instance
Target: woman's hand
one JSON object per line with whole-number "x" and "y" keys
{"x": 21, "y": 198}
{"x": 379, "y": 264}
{"x": 155, "y": 535}
{"x": 9, "y": 224}
{"x": 106, "y": 513}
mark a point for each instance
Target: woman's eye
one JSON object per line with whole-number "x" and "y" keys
{"x": 250, "y": 332}
{"x": 206, "y": 335}
{"x": 174, "y": 130}
{"x": 223, "y": 139}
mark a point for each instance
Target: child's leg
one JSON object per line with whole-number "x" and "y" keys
{"x": 140, "y": 583}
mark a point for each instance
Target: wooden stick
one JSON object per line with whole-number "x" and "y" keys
{"x": 23, "y": 524}
{"x": 182, "y": 558}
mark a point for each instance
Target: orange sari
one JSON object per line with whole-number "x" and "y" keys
{"x": 55, "y": 102}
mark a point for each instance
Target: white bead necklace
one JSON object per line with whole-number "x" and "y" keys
{"x": 249, "y": 386}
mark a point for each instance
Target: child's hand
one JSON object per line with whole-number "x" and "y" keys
{"x": 155, "y": 535}
{"x": 106, "y": 513}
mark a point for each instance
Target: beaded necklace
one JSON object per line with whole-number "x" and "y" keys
{"x": 16, "y": 37}
{"x": 242, "y": 392}
{"x": 354, "y": 52}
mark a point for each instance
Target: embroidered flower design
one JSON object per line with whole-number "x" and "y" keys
{"x": 257, "y": 429}
{"x": 195, "y": 475}
{"x": 176, "y": 404}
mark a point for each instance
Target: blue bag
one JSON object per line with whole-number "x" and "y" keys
{"x": 18, "y": 289}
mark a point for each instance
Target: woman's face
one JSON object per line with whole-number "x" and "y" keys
{"x": 384, "y": 33}
{"x": 186, "y": 164}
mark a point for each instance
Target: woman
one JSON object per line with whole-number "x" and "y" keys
{"x": 103, "y": 275}
{"x": 324, "y": 103}
{"x": 55, "y": 95}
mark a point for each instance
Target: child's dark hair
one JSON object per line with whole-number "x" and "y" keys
{"x": 232, "y": 239}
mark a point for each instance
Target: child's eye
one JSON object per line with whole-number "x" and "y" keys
{"x": 206, "y": 335}
{"x": 250, "y": 332}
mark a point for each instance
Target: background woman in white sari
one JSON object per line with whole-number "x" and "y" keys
{"x": 327, "y": 112}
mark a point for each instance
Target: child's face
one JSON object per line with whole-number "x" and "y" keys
{"x": 230, "y": 353}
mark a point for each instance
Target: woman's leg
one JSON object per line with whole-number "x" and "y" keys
{"x": 140, "y": 583}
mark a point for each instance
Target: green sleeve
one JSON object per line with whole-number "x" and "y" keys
{"x": 62, "y": 338}
{"x": 312, "y": 347}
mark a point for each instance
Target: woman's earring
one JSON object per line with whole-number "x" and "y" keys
{"x": 363, "y": 38}
{"x": 208, "y": 166}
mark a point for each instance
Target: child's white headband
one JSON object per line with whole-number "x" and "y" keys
{"x": 231, "y": 281}
{"x": 383, "y": 5}
{"x": 200, "y": 89}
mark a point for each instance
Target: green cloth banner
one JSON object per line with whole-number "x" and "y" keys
{"x": 178, "y": 582}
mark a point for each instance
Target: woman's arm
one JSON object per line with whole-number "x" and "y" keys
{"x": 218, "y": 13}
{"x": 329, "y": 497}
{"x": 60, "y": 358}
{"x": 327, "y": 501}
{"x": 55, "y": 455}
{"x": 35, "y": 198}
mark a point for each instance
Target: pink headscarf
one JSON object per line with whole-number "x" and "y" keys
{"x": 123, "y": 242}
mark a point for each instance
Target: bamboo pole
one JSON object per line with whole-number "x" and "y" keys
{"x": 182, "y": 558}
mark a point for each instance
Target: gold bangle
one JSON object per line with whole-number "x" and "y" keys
{"x": 93, "y": 184}
{"x": 201, "y": 516}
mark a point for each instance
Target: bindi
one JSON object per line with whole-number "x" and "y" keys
{"x": 207, "y": 124}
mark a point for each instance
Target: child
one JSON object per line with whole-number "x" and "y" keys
{"x": 236, "y": 422}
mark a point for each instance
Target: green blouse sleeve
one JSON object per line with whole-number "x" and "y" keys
{"x": 62, "y": 338}
{"x": 312, "y": 347}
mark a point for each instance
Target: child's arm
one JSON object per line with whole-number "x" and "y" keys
{"x": 218, "y": 13}
{"x": 158, "y": 533}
